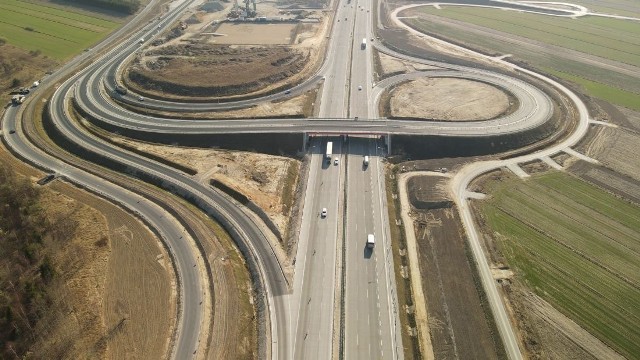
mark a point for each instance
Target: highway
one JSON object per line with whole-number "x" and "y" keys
{"x": 313, "y": 299}
{"x": 372, "y": 326}
{"x": 300, "y": 317}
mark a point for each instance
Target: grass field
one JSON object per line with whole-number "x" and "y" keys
{"x": 55, "y": 32}
{"x": 613, "y": 7}
{"x": 602, "y": 91}
{"x": 608, "y": 38}
{"x": 597, "y": 81}
{"x": 577, "y": 247}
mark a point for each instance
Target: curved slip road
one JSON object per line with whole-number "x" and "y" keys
{"x": 97, "y": 102}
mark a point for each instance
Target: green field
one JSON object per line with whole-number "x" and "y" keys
{"x": 600, "y": 82}
{"x": 601, "y": 91}
{"x": 613, "y": 7}
{"x": 608, "y": 38}
{"x": 577, "y": 247}
{"x": 56, "y": 32}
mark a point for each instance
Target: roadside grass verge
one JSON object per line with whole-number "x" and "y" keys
{"x": 55, "y": 32}
{"x": 400, "y": 260}
{"x": 609, "y": 38}
{"x": 577, "y": 247}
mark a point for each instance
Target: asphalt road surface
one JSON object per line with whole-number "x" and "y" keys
{"x": 371, "y": 329}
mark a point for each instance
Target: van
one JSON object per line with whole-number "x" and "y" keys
{"x": 366, "y": 160}
{"x": 371, "y": 241}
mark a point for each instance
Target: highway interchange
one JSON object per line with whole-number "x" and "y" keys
{"x": 301, "y": 317}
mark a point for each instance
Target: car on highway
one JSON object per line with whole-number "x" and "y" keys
{"x": 288, "y": 91}
{"x": 12, "y": 131}
{"x": 359, "y": 87}
{"x": 140, "y": 98}
{"x": 323, "y": 213}
{"x": 336, "y": 161}
{"x": 371, "y": 241}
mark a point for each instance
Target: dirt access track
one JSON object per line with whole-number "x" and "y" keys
{"x": 206, "y": 57}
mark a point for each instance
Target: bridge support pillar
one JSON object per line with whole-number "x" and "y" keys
{"x": 387, "y": 143}
{"x": 305, "y": 141}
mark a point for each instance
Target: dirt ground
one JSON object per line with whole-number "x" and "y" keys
{"x": 103, "y": 308}
{"x": 392, "y": 66}
{"x": 260, "y": 177}
{"x": 457, "y": 320}
{"x": 251, "y": 34}
{"x": 448, "y": 99}
{"x": 299, "y": 106}
{"x": 201, "y": 57}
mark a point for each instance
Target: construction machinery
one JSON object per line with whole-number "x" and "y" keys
{"x": 249, "y": 10}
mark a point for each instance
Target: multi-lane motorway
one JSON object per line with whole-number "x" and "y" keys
{"x": 301, "y": 317}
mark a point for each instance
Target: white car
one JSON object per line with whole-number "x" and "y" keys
{"x": 336, "y": 161}
{"x": 359, "y": 87}
{"x": 323, "y": 214}
{"x": 140, "y": 98}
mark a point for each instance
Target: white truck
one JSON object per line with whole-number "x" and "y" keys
{"x": 364, "y": 44}
{"x": 365, "y": 162}
{"x": 329, "y": 151}
{"x": 371, "y": 241}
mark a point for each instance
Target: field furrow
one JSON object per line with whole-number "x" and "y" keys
{"x": 576, "y": 246}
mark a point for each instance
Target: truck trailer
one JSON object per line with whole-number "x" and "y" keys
{"x": 329, "y": 151}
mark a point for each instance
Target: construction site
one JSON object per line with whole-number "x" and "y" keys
{"x": 208, "y": 53}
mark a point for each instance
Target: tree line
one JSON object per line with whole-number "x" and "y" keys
{"x": 27, "y": 273}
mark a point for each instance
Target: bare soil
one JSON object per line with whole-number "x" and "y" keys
{"x": 208, "y": 59}
{"x": 429, "y": 192}
{"x": 299, "y": 106}
{"x": 457, "y": 319}
{"x": 215, "y": 71}
{"x": 448, "y": 99}
{"x": 254, "y": 34}
{"x": 617, "y": 149}
{"x": 260, "y": 177}
{"x": 393, "y": 66}
{"x": 390, "y": 65}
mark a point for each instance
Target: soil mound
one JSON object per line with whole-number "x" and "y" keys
{"x": 215, "y": 70}
{"x": 428, "y": 192}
